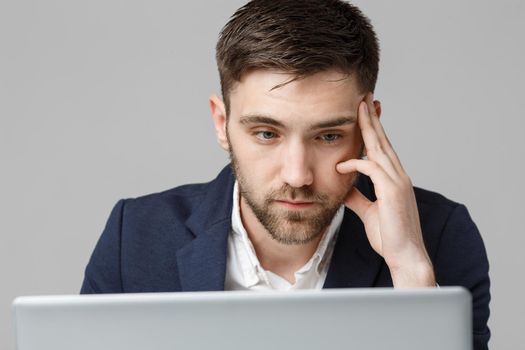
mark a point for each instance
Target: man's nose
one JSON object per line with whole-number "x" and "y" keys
{"x": 296, "y": 168}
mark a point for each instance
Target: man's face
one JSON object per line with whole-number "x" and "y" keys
{"x": 285, "y": 143}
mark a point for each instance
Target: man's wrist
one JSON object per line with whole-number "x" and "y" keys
{"x": 411, "y": 268}
{"x": 415, "y": 276}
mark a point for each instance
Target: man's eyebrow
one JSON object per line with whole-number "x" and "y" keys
{"x": 265, "y": 119}
{"x": 260, "y": 119}
{"x": 340, "y": 121}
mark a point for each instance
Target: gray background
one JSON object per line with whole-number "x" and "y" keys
{"x": 101, "y": 100}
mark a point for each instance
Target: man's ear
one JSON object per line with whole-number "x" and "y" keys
{"x": 218, "y": 113}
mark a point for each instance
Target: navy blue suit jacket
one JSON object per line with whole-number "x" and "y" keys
{"x": 177, "y": 241}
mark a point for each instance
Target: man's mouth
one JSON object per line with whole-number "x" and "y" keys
{"x": 294, "y": 204}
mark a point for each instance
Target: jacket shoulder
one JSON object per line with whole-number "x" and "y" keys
{"x": 440, "y": 218}
{"x": 179, "y": 201}
{"x": 427, "y": 197}
{"x": 434, "y": 209}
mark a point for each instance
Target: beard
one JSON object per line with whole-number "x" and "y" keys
{"x": 287, "y": 226}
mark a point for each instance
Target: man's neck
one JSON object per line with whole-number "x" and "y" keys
{"x": 281, "y": 259}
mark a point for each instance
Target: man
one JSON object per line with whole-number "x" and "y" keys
{"x": 315, "y": 195}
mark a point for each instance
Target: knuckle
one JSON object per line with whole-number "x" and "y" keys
{"x": 375, "y": 148}
{"x": 374, "y": 166}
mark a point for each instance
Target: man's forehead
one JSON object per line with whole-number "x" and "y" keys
{"x": 323, "y": 97}
{"x": 271, "y": 80}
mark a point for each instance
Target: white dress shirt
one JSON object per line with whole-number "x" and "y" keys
{"x": 244, "y": 271}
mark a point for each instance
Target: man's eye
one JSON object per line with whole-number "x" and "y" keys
{"x": 330, "y": 137}
{"x": 265, "y": 135}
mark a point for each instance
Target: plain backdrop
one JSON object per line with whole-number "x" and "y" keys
{"x": 101, "y": 100}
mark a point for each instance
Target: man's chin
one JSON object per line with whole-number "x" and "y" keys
{"x": 294, "y": 232}
{"x": 293, "y": 238}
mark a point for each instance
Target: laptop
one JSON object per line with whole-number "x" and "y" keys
{"x": 361, "y": 319}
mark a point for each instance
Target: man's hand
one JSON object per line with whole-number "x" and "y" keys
{"x": 392, "y": 221}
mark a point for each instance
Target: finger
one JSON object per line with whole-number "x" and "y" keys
{"x": 386, "y": 145}
{"x": 377, "y": 174}
{"x": 373, "y": 107}
{"x": 375, "y": 150}
{"x": 358, "y": 203}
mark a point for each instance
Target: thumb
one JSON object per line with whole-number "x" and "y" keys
{"x": 357, "y": 202}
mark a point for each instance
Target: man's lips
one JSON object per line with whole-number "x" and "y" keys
{"x": 295, "y": 204}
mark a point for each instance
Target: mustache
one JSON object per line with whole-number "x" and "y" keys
{"x": 305, "y": 193}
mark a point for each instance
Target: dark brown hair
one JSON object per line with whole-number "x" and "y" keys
{"x": 300, "y": 37}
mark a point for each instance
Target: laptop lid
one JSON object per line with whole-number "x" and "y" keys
{"x": 337, "y": 319}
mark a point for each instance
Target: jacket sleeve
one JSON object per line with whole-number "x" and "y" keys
{"x": 103, "y": 272}
{"x": 461, "y": 260}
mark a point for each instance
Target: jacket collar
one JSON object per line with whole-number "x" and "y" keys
{"x": 202, "y": 262}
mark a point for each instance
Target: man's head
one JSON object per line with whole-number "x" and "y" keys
{"x": 292, "y": 75}
{"x": 300, "y": 37}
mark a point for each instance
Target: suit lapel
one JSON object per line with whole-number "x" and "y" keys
{"x": 354, "y": 262}
{"x": 202, "y": 262}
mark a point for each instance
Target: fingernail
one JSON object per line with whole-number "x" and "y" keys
{"x": 366, "y": 108}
